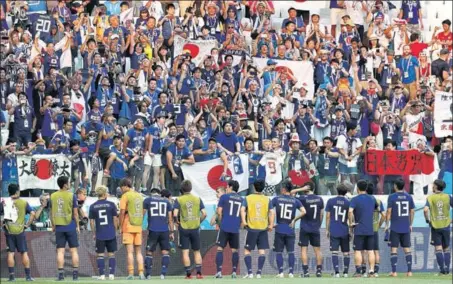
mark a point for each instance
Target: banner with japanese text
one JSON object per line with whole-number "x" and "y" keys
{"x": 42, "y": 171}
{"x": 410, "y": 162}
{"x": 443, "y": 114}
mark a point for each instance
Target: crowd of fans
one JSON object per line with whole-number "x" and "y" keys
{"x": 80, "y": 80}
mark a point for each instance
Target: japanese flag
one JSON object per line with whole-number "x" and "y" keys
{"x": 206, "y": 177}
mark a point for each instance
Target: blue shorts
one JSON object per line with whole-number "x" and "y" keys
{"x": 102, "y": 245}
{"x": 282, "y": 241}
{"x": 16, "y": 242}
{"x": 189, "y": 239}
{"x": 364, "y": 242}
{"x": 337, "y": 242}
{"x": 158, "y": 238}
{"x": 257, "y": 239}
{"x": 345, "y": 170}
{"x": 67, "y": 237}
{"x": 376, "y": 241}
{"x": 397, "y": 239}
{"x": 441, "y": 237}
{"x": 224, "y": 238}
{"x": 306, "y": 238}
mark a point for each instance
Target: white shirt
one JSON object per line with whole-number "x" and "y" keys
{"x": 66, "y": 55}
{"x": 342, "y": 143}
{"x": 399, "y": 42}
{"x": 155, "y": 9}
{"x": 354, "y": 10}
{"x": 273, "y": 163}
{"x": 322, "y": 29}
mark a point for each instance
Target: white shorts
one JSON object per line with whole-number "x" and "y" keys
{"x": 335, "y": 15}
{"x": 154, "y": 160}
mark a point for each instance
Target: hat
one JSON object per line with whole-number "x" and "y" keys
{"x": 253, "y": 82}
{"x": 138, "y": 120}
{"x": 114, "y": 36}
{"x": 346, "y": 16}
{"x": 324, "y": 51}
{"x": 339, "y": 108}
{"x": 444, "y": 51}
{"x": 261, "y": 3}
{"x": 271, "y": 62}
{"x": 304, "y": 86}
{"x": 213, "y": 5}
{"x": 294, "y": 138}
{"x": 292, "y": 8}
{"x": 162, "y": 114}
{"x": 373, "y": 37}
{"x": 379, "y": 15}
{"x": 349, "y": 23}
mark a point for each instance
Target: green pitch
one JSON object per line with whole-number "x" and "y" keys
{"x": 418, "y": 278}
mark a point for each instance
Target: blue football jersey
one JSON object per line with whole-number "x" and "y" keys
{"x": 313, "y": 205}
{"x": 41, "y": 24}
{"x": 285, "y": 207}
{"x": 338, "y": 207}
{"x": 402, "y": 204}
{"x": 231, "y": 205}
{"x": 364, "y": 206}
{"x": 102, "y": 212}
{"x": 158, "y": 209}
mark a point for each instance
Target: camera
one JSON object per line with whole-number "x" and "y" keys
{"x": 41, "y": 225}
{"x": 322, "y": 149}
{"x": 137, "y": 91}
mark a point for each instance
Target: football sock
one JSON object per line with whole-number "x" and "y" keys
{"x": 165, "y": 263}
{"x": 291, "y": 262}
{"x": 393, "y": 261}
{"x": 248, "y": 263}
{"x": 261, "y": 260}
{"x": 279, "y": 259}
{"x": 101, "y": 264}
{"x": 219, "y": 261}
{"x": 235, "y": 260}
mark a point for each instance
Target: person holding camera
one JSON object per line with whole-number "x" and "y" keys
{"x": 24, "y": 121}
{"x": 41, "y": 221}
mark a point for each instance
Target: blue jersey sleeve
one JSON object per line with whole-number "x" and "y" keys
{"x": 328, "y": 205}
{"x": 390, "y": 201}
{"x": 91, "y": 213}
{"x": 273, "y": 203}
{"x": 145, "y": 204}
{"x": 176, "y": 205}
{"x": 74, "y": 202}
{"x": 270, "y": 206}
{"x": 245, "y": 203}
{"x": 298, "y": 204}
{"x": 381, "y": 208}
{"x": 451, "y": 201}
{"x": 353, "y": 203}
{"x": 322, "y": 204}
{"x": 114, "y": 211}
{"x": 221, "y": 203}
{"x": 201, "y": 204}
{"x": 28, "y": 209}
{"x": 427, "y": 203}
{"x": 411, "y": 202}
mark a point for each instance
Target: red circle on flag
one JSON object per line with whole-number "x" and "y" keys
{"x": 214, "y": 175}
{"x": 284, "y": 69}
{"x": 43, "y": 169}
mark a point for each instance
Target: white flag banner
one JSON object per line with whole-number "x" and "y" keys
{"x": 443, "y": 114}
{"x": 198, "y": 49}
{"x": 42, "y": 171}
{"x": 127, "y": 15}
{"x": 206, "y": 176}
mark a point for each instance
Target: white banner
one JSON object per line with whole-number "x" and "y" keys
{"x": 206, "y": 176}
{"x": 443, "y": 114}
{"x": 198, "y": 49}
{"x": 42, "y": 171}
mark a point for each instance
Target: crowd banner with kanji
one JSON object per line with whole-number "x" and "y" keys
{"x": 198, "y": 49}
{"x": 42, "y": 171}
{"x": 443, "y": 114}
{"x": 410, "y": 162}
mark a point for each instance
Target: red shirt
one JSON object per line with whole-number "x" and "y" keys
{"x": 417, "y": 47}
{"x": 445, "y": 37}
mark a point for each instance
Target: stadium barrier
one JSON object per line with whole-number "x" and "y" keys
{"x": 41, "y": 248}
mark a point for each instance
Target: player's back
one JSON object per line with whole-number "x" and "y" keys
{"x": 313, "y": 205}
{"x": 338, "y": 208}
{"x": 364, "y": 207}
{"x": 401, "y": 204}
{"x": 158, "y": 208}
{"x": 231, "y": 205}
{"x": 103, "y": 213}
{"x": 258, "y": 207}
{"x": 286, "y": 207}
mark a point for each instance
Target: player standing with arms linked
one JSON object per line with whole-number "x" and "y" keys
{"x": 285, "y": 207}
{"x": 188, "y": 208}
{"x": 361, "y": 218}
{"x": 65, "y": 223}
{"x": 131, "y": 218}
{"x": 310, "y": 225}
{"x": 400, "y": 215}
{"x": 160, "y": 227}
{"x": 14, "y": 232}
{"x": 103, "y": 217}
{"x": 229, "y": 218}
{"x": 337, "y": 229}
{"x": 437, "y": 214}
{"x": 257, "y": 219}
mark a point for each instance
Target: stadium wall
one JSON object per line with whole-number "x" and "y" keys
{"x": 41, "y": 248}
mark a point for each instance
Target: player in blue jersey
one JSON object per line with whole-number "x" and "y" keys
{"x": 378, "y": 220}
{"x": 310, "y": 225}
{"x": 229, "y": 218}
{"x": 400, "y": 215}
{"x": 103, "y": 216}
{"x": 337, "y": 229}
{"x": 160, "y": 226}
{"x": 285, "y": 207}
{"x": 361, "y": 216}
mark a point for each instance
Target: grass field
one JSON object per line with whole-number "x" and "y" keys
{"x": 326, "y": 279}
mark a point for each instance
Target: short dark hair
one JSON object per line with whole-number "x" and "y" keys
{"x": 13, "y": 189}
{"x": 229, "y": 55}
{"x": 248, "y": 139}
{"x": 389, "y": 141}
{"x": 414, "y": 37}
{"x": 342, "y": 189}
{"x": 362, "y": 185}
{"x": 328, "y": 138}
{"x": 400, "y": 183}
{"x": 311, "y": 185}
{"x": 169, "y": 6}
{"x": 180, "y": 136}
{"x": 155, "y": 190}
{"x": 186, "y": 186}
{"x": 440, "y": 184}
{"x": 370, "y": 188}
{"x": 61, "y": 181}
{"x": 351, "y": 126}
{"x": 287, "y": 186}
{"x": 259, "y": 185}
{"x": 126, "y": 182}
{"x": 234, "y": 185}
{"x": 446, "y": 22}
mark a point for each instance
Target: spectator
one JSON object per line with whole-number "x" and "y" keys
{"x": 177, "y": 154}
{"x": 440, "y": 67}
{"x": 411, "y": 11}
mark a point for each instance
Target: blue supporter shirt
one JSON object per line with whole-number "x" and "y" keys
{"x": 231, "y": 204}
{"x": 364, "y": 206}
{"x": 410, "y": 10}
{"x": 338, "y": 207}
{"x": 407, "y": 69}
{"x": 313, "y": 205}
{"x": 286, "y": 207}
{"x": 401, "y": 204}
{"x": 117, "y": 169}
{"x": 155, "y": 131}
{"x": 158, "y": 209}
{"x": 228, "y": 141}
{"x": 136, "y": 139}
{"x": 102, "y": 212}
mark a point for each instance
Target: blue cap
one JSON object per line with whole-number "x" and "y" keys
{"x": 162, "y": 114}
{"x": 271, "y": 62}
